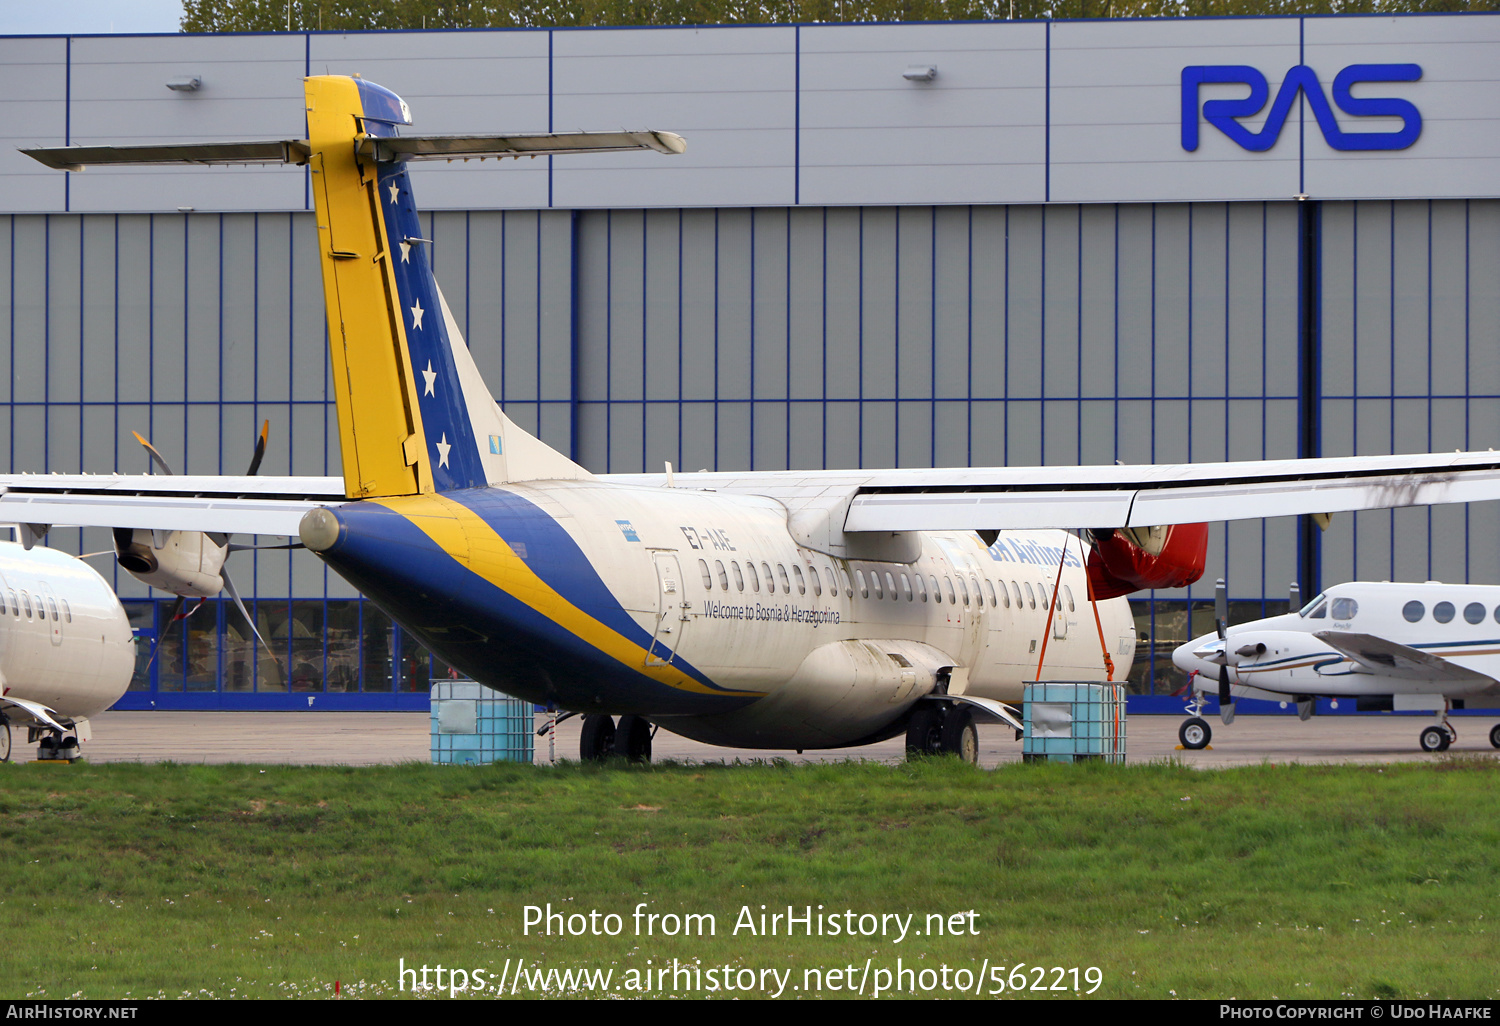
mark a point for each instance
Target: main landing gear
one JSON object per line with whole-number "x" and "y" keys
{"x": 942, "y": 729}
{"x": 601, "y": 738}
{"x": 1437, "y": 739}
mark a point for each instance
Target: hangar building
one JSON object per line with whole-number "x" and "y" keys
{"x": 887, "y": 245}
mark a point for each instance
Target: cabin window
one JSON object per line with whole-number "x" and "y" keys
{"x": 67, "y": 611}
{"x": 1474, "y": 612}
{"x": 765, "y": 568}
{"x": 801, "y": 581}
{"x": 833, "y": 583}
{"x": 937, "y": 592}
{"x": 754, "y": 578}
{"x": 1312, "y": 604}
{"x": 1041, "y": 590}
{"x": 875, "y": 584}
{"x": 978, "y": 595}
{"x": 1345, "y": 608}
{"x": 26, "y": 603}
{"x": 723, "y": 574}
{"x": 1321, "y": 613}
{"x": 963, "y": 589}
{"x": 948, "y": 586}
{"x": 1030, "y": 595}
{"x": 2, "y": 604}
{"x": 15, "y": 604}
{"x": 890, "y": 586}
{"x": 812, "y": 572}
{"x": 848, "y": 585}
{"x": 786, "y": 584}
{"x": 52, "y": 605}
{"x": 708, "y": 578}
{"x": 859, "y": 580}
{"x": 739, "y": 578}
{"x": 906, "y": 587}
{"x": 1442, "y": 612}
{"x": 1069, "y": 592}
{"x": 921, "y": 587}
{"x": 1004, "y": 595}
{"x": 1414, "y": 611}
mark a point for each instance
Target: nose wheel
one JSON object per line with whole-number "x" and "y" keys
{"x": 1195, "y": 733}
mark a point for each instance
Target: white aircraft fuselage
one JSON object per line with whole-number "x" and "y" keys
{"x": 700, "y": 610}
{"x": 65, "y": 642}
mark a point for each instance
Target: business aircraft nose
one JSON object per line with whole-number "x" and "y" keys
{"x": 1204, "y": 654}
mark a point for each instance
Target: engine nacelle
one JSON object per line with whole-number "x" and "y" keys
{"x": 1138, "y": 558}
{"x": 186, "y": 563}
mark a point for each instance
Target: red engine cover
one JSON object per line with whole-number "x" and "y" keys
{"x": 1117, "y": 566}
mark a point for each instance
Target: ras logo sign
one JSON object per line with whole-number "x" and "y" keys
{"x": 1222, "y": 113}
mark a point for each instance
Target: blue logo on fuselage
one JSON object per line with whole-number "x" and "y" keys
{"x": 1222, "y": 113}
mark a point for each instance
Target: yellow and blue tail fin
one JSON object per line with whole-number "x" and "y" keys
{"x": 414, "y": 414}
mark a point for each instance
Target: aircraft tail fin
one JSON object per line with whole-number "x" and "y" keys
{"x": 414, "y": 413}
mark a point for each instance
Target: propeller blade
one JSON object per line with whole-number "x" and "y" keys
{"x": 171, "y": 619}
{"x": 235, "y": 594}
{"x": 260, "y": 449}
{"x": 1221, "y": 607}
{"x": 1224, "y": 697}
{"x": 156, "y": 457}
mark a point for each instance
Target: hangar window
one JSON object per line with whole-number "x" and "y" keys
{"x": 708, "y": 578}
{"x": 1442, "y": 612}
{"x": 754, "y": 577}
{"x": 963, "y": 589}
{"x": 723, "y": 574}
{"x": 765, "y": 569}
{"x": 921, "y": 587}
{"x": 786, "y": 584}
{"x": 948, "y": 586}
{"x": 1414, "y": 611}
{"x": 1345, "y": 608}
{"x": 875, "y": 584}
{"x": 848, "y": 585}
{"x": 801, "y": 581}
{"x": 812, "y": 572}
{"x": 1474, "y": 612}
{"x": 739, "y": 578}
{"x": 864, "y": 589}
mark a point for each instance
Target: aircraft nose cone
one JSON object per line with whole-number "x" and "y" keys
{"x": 1202, "y": 654}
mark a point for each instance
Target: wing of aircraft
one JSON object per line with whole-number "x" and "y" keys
{"x": 1382, "y": 657}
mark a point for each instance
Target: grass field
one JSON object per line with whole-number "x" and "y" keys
{"x": 1296, "y": 882}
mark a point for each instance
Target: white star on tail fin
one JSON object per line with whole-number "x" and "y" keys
{"x": 443, "y": 448}
{"x": 416, "y": 315}
{"x": 395, "y": 191}
{"x": 429, "y": 375}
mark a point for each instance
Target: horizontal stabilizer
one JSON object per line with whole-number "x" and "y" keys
{"x": 76, "y": 158}
{"x": 387, "y": 149}
{"x": 1382, "y": 657}
{"x": 383, "y": 149}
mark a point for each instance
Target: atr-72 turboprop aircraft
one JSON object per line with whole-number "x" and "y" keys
{"x": 790, "y": 609}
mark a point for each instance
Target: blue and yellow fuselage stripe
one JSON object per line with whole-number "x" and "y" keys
{"x": 543, "y": 626}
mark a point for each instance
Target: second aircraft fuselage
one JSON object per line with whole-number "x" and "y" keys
{"x": 700, "y": 611}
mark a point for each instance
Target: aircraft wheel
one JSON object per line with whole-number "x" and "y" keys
{"x": 1195, "y": 733}
{"x": 959, "y": 736}
{"x": 924, "y": 731}
{"x": 598, "y": 738}
{"x": 633, "y": 739}
{"x": 46, "y": 748}
{"x": 1495, "y": 736}
{"x": 1435, "y": 739}
{"x": 5, "y": 740}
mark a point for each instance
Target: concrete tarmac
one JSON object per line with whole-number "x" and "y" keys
{"x": 364, "y": 739}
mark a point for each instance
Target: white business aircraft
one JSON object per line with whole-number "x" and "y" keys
{"x": 1386, "y": 646}
{"x": 66, "y": 649}
{"x": 790, "y": 609}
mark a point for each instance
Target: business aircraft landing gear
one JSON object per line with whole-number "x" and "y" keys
{"x": 1195, "y": 733}
{"x": 1495, "y": 736}
{"x": 1436, "y": 739}
{"x": 633, "y": 739}
{"x": 598, "y": 738}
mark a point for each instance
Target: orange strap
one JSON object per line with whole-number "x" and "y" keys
{"x": 1109, "y": 664}
{"x": 1053, "y": 612}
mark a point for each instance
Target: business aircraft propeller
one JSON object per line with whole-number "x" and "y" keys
{"x": 189, "y": 564}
